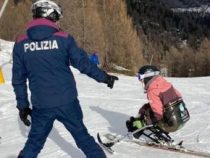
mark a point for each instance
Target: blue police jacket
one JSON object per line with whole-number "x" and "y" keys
{"x": 94, "y": 59}
{"x": 43, "y": 56}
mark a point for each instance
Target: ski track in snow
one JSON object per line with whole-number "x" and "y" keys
{"x": 106, "y": 110}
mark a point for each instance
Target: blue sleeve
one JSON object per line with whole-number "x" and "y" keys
{"x": 91, "y": 58}
{"x": 79, "y": 59}
{"x": 19, "y": 76}
{"x": 97, "y": 60}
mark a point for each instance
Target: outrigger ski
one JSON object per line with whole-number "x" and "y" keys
{"x": 106, "y": 146}
{"x": 172, "y": 147}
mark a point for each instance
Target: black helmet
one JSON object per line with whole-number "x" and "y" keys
{"x": 46, "y": 9}
{"x": 147, "y": 72}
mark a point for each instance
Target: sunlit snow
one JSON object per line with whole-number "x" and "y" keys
{"x": 105, "y": 110}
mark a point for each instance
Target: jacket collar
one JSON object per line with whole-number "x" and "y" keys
{"x": 42, "y": 22}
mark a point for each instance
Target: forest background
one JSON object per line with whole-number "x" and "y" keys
{"x": 128, "y": 33}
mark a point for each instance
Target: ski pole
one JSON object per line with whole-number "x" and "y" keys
{"x": 3, "y": 7}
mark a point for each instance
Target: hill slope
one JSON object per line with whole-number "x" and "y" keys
{"x": 105, "y": 111}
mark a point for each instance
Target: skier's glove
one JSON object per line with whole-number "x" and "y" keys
{"x": 138, "y": 124}
{"x": 110, "y": 80}
{"x": 134, "y": 123}
{"x": 23, "y": 113}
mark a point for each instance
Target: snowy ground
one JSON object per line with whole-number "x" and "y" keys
{"x": 106, "y": 110}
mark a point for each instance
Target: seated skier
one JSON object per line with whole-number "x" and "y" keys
{"x": 165, "y": 109}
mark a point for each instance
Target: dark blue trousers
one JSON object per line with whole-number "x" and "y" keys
{"x": 72, "y": 118}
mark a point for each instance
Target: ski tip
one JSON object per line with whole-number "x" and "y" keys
{"x": 99, "y": 138}
{"x": 180, "y": 143}
{"x": 106, "y": 146}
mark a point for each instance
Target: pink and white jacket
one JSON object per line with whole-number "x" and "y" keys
{"x": 160, "y": 93}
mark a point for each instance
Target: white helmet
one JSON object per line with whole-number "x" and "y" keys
{"x": 46, "y": 9}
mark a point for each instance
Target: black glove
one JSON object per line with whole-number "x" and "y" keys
{"x": 23, "y": 113}
{"x": 130, "y": 124}
{"x": 110, "y": 80}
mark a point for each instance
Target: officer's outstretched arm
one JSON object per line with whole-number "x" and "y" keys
{"x": 79, "y": 59}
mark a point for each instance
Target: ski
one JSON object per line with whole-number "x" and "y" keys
{"x": 105, "y": 146}
{"x": 178, "y": 148}
{"x": 174, "y": 148}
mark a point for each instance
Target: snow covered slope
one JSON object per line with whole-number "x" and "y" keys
{"x": 185, "y": 3}
{"x": 203, "y": 9}
{"x": 106, "y": 110}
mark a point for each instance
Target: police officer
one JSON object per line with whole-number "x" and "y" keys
{"x": 43, "y": 56}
